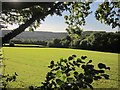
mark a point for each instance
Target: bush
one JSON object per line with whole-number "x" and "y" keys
{"x": 64, "y": 75}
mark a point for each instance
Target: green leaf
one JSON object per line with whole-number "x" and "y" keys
{"x": 97, "y": 77}
{"x": 65, "y": 60}
{"x": 101, "y": 71}
{"x": 75, "y": 73}
{"x": 78, "y": 65}
{"x": 66, "y": 17}
{"x": 67, "y": 22}
{"x": 71, "y": 63}
{"x": 59, "y": 73}
{"x": 73, "y": 68}
{"x": 52, "y": 62}
{"x": 83, "y": 57}
{"x": 70, "y": 58}
{"x": 73, "y": 55}
{"x": 105, "y": 76}
{"x": 63, "y": 77}
{"x": 70, "y": 80}
{"x": 31, "y": 29}
{"x": 107, "y": 68}
{"x": 83, "y": 66}
{"x": 89, "y": 61}
{"x": 59, "y": 82}
{"x": 101, "y": 65}
{"x": 80, "y": 61}
{"x": 74, "y": 62}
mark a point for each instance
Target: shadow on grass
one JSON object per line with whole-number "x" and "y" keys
{"x": 41, "y": 46}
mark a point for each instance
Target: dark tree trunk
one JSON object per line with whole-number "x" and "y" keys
{"x": 22, "y": 27}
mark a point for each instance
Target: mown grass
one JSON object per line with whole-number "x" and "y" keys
{"x": 31, "y": 64}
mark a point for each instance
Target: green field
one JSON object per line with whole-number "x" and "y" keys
{"x": 31, "y": 64}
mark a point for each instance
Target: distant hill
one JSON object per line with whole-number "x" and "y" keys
{"x": 42, "y": 35}
{"x": 37, "y": 35}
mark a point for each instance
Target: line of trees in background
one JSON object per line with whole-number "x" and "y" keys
{"x": 28, "y": 41}
{"x": 98, "y": 41}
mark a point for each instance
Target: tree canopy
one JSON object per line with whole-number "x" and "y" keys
{"x": 109, "y": 13}
{"x": 30, "y": 14}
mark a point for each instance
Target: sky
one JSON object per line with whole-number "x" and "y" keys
{"x": 57, "y": 23}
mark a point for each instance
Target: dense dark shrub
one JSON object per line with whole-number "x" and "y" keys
{"x": 55, "y": 43}
{"x": 102, "y": 42}
{"x": 50, "y": 44}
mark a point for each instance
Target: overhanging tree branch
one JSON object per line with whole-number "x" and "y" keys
{"x": 22, "y": 27}
{"x": 19, "y": 5}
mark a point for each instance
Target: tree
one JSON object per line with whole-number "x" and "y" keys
{"x": 56, "y": 43}
{"x": 102, "y": 41}
{"x": 109, "y": 13}
{"x": 30, "y": 14}
{"x": 76, "y": 18}
{"x": 27, "y": 16}
{"x": 66, "y": 41}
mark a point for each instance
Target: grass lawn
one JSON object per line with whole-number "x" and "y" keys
{"x": 31, "y": 64}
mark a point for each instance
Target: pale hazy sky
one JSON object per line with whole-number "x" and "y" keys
{"x": 57, "y": 23}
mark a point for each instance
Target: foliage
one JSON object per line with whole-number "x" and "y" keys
{"x": 109, "y": 13}
{"x": 55, "y": 43}
{"x": 60, "y": 43}
{"x": 29, "y": 41}
{"x": 101, "y": 41}
{"x": 73, "y": 74}
{"x": 78, "y": 11}
{"x": 6, "y": 79}
{"x": 20, "y": 14}
{"x": 32, "y": 14}
{"x": 36, "y": 14}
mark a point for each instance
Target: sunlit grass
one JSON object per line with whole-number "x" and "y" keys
{"x": 31, "y": 64}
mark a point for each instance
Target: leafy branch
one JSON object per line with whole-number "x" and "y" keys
{"x": 73, "y": 74}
